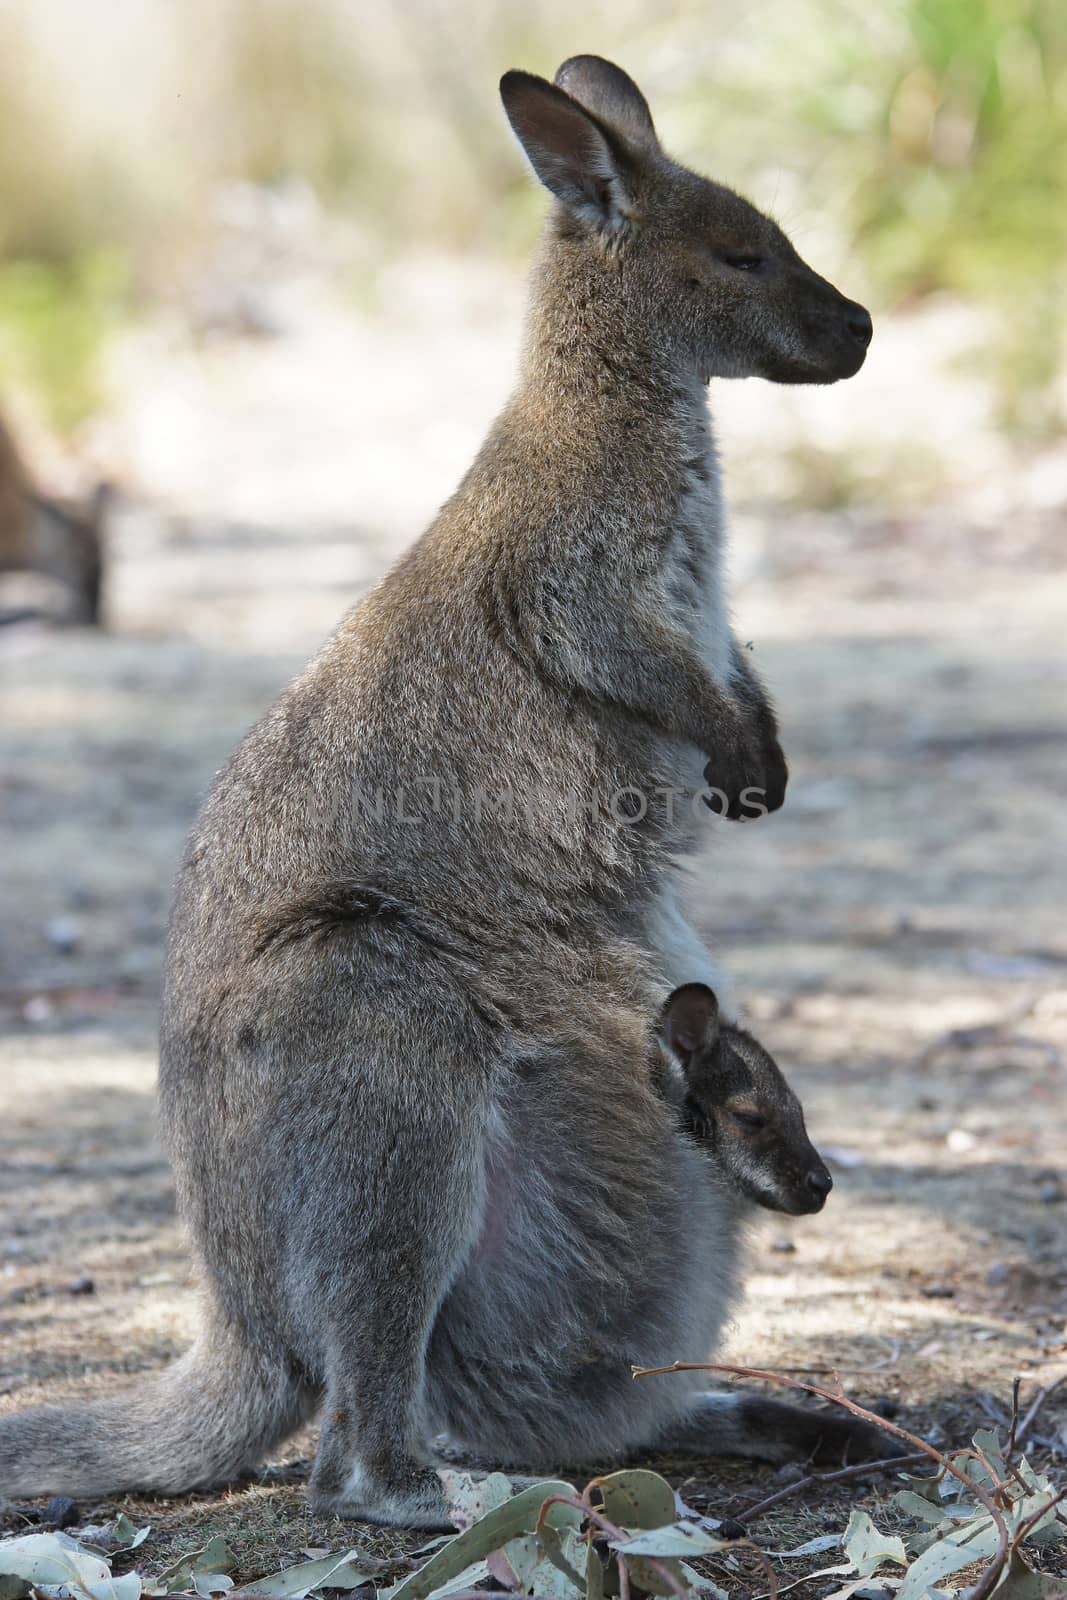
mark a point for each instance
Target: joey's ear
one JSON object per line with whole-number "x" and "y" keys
{"x": 612, "y": 96}
{"x": 689, "y": 1021}
{"x": 573, "y": 155}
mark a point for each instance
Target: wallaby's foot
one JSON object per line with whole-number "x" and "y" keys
{"x": 762, "y": 1429}
{"x": 824, "y": 1437}
{"x": 410, "y": 1495}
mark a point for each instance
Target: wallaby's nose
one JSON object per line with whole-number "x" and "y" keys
{"x": 860, "y": 325}
{"x": 819, "y": 1182}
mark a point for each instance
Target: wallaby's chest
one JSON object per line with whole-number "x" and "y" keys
{"x": 694, "y": 564}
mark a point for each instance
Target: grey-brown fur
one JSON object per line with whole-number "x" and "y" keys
{"x": 404, "y": 1074}
{"x": 61, "y": 541}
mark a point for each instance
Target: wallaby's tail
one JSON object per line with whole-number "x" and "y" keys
{"x": 202, "y": 1421}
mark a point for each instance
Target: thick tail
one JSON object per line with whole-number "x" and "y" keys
{"x": 205, "y": 1420}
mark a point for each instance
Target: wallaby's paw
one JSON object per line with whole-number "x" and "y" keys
{"x": 775, "y": 775}
{"x": 414, "y": 1498}
{"x": 747, "y": 785}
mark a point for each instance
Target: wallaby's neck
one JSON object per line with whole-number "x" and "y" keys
{"x": 593, "y": 359}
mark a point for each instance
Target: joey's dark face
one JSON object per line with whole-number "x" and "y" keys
{"x": 739, "y": 1103}
{"x": 748, "y": 303}
{"x": 739, "y": 1106}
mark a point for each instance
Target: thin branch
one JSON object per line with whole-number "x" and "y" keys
{"x": 991, "y": 1576}
{"x": 1013, "y": 1432}
{"x": 864, "y": 1470}
{"x": 1035, "y": 1407}
{"x": 1028, "y": 1524}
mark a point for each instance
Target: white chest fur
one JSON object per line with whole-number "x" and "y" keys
{"x": 695, "y": 564}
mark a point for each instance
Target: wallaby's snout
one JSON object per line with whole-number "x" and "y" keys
{"x": 818, "y": 1184}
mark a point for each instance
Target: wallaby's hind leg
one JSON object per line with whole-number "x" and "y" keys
{"x": 762, "y": 1429}
{"x": 393, "y": 1198}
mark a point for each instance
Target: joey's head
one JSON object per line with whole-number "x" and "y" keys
{"x": 739, "y": 1105}
{"x": 712, "y": 278}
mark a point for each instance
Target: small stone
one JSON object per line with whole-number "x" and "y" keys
{"x": 61, "y": 1511}
{"x": 960, "y": 1141}
{"x": 937, "y": 1291}
{"x": 1050, "y": 1192}
{"x": 81, "y": 1286}
{"x": 62, "y": 934}
{"x": 783, "y": 1245}
{"x": 998, "y": 1273}
{"x": 730, "y": 1528}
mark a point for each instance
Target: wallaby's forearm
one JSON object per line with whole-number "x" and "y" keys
{"x": 652, "y": 674}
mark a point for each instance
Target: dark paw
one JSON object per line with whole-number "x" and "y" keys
{"x": 775, "y": 775}
{"x": 746, "y": 789}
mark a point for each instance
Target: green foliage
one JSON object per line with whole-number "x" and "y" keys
{"x": 935, "y": 129}
{"x": 55, "y": 318}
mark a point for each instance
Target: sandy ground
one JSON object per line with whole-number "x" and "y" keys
{"x": 896, "y": 933}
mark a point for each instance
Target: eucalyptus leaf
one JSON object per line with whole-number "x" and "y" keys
{"x": 700, "y": 1585}
{"x": 1020, "y": 1582}
{"x": 977, "y": 1541}
{"x": 679, "y": 1539}
{"x": 813, "y": 1547}
{"x": 215, "y": 1559}
{"x": 126, "y": 1534}
{"x": 866, "y": 1547}
{"x": 566, "y": 1550}
{"x": 476, "y": 1573}
{"x": 471, "y": 1496}
{"x": 342, "y": 1570}
{"x": 516, "y": 1516}
{"x": 56, "y": 1560}
{"x": 207, "y": 1584}
{"x": 637, "y": 1498}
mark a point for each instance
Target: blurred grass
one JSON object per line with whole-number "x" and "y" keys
{"x": 933, "y": 132}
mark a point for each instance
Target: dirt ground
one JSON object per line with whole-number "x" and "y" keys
{"x": 896, "y": 933}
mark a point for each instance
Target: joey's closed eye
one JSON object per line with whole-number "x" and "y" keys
{"x": 750, "y": 1121}
{"x": 743, "y": 261}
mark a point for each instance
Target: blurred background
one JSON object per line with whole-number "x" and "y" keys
{"x": 261, "y": 285}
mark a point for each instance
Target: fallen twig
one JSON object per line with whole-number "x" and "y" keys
{"x": 864, "y": 1469}
{"x": 1034, "y": 1409}
{"x": 990, "y": 1578}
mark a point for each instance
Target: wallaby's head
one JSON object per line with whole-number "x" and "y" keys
{"x": 738, "y": 1103}
{"x": 703, "y": 269}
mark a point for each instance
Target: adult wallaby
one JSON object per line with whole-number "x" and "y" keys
{"x": 404, "y": 1074}
{"x": 60, "y": 540}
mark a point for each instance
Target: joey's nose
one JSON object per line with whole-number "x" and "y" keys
{"x": 819, "y": 1183}
{"x": 860, "y": 325}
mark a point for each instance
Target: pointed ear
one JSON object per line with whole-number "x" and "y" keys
{"x": 689, "y": 1021}
{"x": 571, "y": 153}
{"x": 612, "y": 96}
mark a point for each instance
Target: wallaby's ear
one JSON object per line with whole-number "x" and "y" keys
{"x": 573, "y": 155}
{"x": 612, "y": 96}
{"x": 689, "y": 1021}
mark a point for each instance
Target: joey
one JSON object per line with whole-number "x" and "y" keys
{"x": 734, "y": 1100}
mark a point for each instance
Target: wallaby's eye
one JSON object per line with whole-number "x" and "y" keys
{"x": 744, "y": 263}
{"x": 749, "y": 1121}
